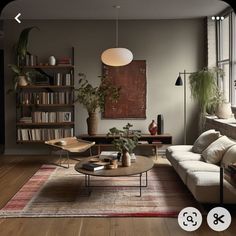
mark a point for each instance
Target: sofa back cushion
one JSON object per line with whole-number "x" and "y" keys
{"x": 229, "y": 156}
{"x": 204, "y": 140}
{"x": 215, "y": 151}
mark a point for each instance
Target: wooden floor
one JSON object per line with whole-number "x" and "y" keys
{"x": 15, "y": 171}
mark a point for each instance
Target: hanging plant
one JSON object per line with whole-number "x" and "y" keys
{"x": 204, "y": 89}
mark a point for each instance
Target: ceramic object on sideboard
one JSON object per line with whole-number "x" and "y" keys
{"x": 223, "y": 110}
{"x": 152, "y": 127}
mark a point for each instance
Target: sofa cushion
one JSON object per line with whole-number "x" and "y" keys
{"x": 215, "y": 151}
{"x": 229, "y": 156}
{"x": 204, "y": 140}
{"x": 178, "y": 157}
{"x": 205, "y": 187}
{"x": 183, "y": 148}
{"x": 185, "y": 167}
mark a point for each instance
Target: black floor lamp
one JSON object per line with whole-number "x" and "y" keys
{"x": 180, "y": 82}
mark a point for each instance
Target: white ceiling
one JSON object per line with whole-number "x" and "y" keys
{"x": 102, "y": 9}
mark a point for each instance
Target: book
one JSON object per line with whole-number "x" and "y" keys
{"x": 93, "y": 166}
{"x": 108, "y": 154}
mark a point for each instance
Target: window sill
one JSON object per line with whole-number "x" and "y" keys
{"x": 225, "y": 126}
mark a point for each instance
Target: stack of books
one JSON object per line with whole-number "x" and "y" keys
{"x": 64, "y": 61}
{"x": 92, "y": 166}
{"x": 25, "y": 120}
{"x": 108, "y": 155}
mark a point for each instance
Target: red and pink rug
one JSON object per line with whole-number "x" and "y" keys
{"x": 58, "y": 192}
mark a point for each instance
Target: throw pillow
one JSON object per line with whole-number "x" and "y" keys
{"x": 229, "y": 156}
{"x": 215, "y": 151}
{"x": 204, "y": 140}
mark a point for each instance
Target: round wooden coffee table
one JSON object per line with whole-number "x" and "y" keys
{"x": 137, "y": 168}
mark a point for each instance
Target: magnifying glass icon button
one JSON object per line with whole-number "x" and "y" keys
{"x": 190, "y": 219}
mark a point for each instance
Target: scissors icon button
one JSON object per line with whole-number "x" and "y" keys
{"x": 219, "y": 219}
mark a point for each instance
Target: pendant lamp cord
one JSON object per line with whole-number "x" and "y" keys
{"x": 117, "y": 24}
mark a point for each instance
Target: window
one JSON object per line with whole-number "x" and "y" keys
{"x": 226, "y": 56}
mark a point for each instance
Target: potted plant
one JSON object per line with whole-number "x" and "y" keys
{"x": 203, "y": 85}
{"x": 219, "y": 106}
{"x": 93, "y": 98}
{"x": 125, "y": 142}
{"x": 21, "y": 78}
{"x": 22, "y": 44}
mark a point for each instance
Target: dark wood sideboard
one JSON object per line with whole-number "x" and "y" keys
{"x": 155, "y": 141}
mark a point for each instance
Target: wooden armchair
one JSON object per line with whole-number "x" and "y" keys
{"x": 70, "y": 144}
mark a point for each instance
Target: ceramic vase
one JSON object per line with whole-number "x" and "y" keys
{"x": 153, "y": 127}
{"x": 92, "y": 123}
{"x": 126, "y": 159}
{"x": 52, "y": 61}
{"x": 223, "y": 111}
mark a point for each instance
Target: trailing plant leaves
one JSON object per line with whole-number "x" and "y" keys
{"x": 203, "y": 86}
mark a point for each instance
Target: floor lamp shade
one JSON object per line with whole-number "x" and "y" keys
{"x": 117, "y": 56}
{"x": 179, "y": 81}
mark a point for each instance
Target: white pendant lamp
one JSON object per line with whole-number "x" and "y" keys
{"x": 117, "y": 56}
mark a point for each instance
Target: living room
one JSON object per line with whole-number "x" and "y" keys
{"x": 169, "y": 40}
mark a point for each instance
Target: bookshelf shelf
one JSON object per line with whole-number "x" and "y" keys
{"x": 45, "y": 109}
{"x": 46, "y": 124}
{"x": 46, "y": 87}
{"x": 47, "y": 105}
{"x": 56, "y": 67}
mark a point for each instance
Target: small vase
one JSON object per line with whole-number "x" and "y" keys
{"x": 92, "y": 123}
{"x": 224, "y": 111}
{"x": 153, "y": 127}
{"x": 52, "y": 61}
{"x": 126, "y": 159}
{"x": 22, "y": 81}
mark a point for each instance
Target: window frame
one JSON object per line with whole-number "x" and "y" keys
{"x": 231, "y": 61}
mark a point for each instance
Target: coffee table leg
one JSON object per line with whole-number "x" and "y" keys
{"x": 87, "y": 184}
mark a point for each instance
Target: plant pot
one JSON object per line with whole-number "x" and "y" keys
{"x": 22, "y": 81}
{"x": 126, "y": 159}
{"x": 223, "y": 111}
{"x": 92, "y": 123}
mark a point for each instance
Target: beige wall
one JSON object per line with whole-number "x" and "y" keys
{"x": 168, "y": 46}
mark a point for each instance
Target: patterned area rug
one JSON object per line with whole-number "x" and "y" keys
{"x": 59, "y": 192}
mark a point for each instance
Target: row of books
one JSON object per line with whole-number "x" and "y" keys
{"x": 64, "y": 61}
{"x": 46, "y": 98}
{"x": 29, "y": 60}
{"x": 63, "y": 79}
{"x": 45, "y": 117}
{"x": 26, "y": 119}
{"x": 43, "y": 134}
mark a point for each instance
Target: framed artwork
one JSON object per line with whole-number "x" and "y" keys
{"x": 132, "y": 81}
{"x": 67, "y": 117}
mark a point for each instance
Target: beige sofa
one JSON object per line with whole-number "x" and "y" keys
{"x": 200, "y": 176}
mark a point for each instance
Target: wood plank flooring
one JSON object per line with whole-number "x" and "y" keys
{"x": 15, "y": 171}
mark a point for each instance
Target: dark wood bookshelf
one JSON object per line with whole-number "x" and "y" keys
{"x": 67, "y": 66}
{"x": 35, "y": 86}
{"x": 46, "y": 105}
{"x": 32, "y": 98}
{"x": 30, "y": 141}
{"x": 46, "y": 124}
